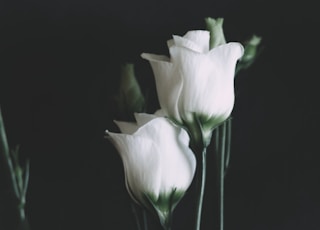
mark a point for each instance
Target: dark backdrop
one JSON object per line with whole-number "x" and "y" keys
{"x": 59, "y": 71}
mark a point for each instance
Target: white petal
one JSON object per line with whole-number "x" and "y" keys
{"x": 161, "y": 113}
{"x": 189, "y": 157}
{"x": 155, "y": 57}
{"x": 176, "y": 158}
{"x": 127, "y": 127}
{"x": 140, "y": 159}
{"x": 228, "y": 53}
{"x": 134, "y": 197}
{"x": 196, "y": 70}
{"x": 168, "y": 85}
{"x": 208, "y": 86}
{"x": 143, "y": 118}
{"x": 170, "y": 43}
{"x": 187, "y": 44}
{"x": 196, "y": 40}
{"x": 200, "y": 37}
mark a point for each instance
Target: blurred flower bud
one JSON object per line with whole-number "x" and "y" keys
{"x": 129, "y": 98}
{"x": 251, "y": 51}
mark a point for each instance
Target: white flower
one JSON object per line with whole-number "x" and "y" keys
{"x": 159, "y": 166}
{"x": 196, "y": 83}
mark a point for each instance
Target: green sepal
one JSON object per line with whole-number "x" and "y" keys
{"x": 200, "y": 128}
{"x": 164, "y": 204}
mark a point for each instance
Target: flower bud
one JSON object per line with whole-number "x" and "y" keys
{"x": 215, "y": 27}
{"x": 129, "y": 98}
{"x": 251, "y": 51}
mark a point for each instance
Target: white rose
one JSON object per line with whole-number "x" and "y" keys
{"x": 159, "y": 166}
{"x": 196, "y": 83}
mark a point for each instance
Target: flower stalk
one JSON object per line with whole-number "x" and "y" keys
{"x": 199, "y": 143}
{"x": 19, "y": 176}
{"x": 140, "y": 216}
{"x": 223, "y": 146}
{"x": 145, "y": 219}
{"x": 135, "y": 212}
{"x": 201, "y": 180}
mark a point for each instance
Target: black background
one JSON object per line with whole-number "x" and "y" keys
{"x": 59, "y": 70}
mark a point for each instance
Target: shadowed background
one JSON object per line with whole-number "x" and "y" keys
{"x": 59, "y": 71}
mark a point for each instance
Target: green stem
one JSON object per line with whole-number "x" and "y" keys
{"x": 140, "y": 216}
{"x": 19, "y": 184}
{"x": 145, "y": 219}
{"x": 223, "y": 138}
{"x": 228, "y": 145}
{"x": 136, "y": 215}
{"x": 167, "y": 227}
{"x": 22, "y": 213}
{"x": 221, "y": 174}
{"x": 4, "y": 147}
{"x": 201, "y": 177}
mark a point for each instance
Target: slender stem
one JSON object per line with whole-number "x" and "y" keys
{"x": 145, "y": 219}
{"x": 228, "y": 144}
{"x": 217, "y": 142}
{"x": 201, "y": 186}
{"x": 140, "y": 216}
{"x": 22, "y": 213}
{"x": 167, "y": 227}
{"x": 18, "y": 183}
{"x": 221, "y": 172}
{"x": 136, "y": 216}
{"x": 26, "y": 179}
{"x": 4, "y": 147}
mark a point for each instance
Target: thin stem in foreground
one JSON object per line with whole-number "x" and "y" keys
{"x": 4, "y": 148}
{"x": 223, "y": 141}
{"x": 145, "y": 219}
{"x": 19, "y": 176}
{"x": 228, "y": 145}
{"x": 136, "y": 215}
{"x": 201, "y": 177}
{"x": 221, "y": 174}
